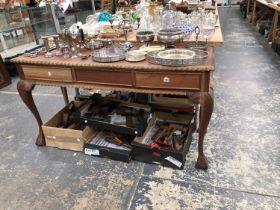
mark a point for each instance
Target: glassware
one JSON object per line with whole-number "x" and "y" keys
{"x": 207, "y": 29}
{"x": 195, "y": 20}
{"x": 213, "y": 18}
{"x": 168, "y": 17}
{"x": 157, "y": 24}
{"x": 74, "y": 33}
{"x": 146, "y": 19}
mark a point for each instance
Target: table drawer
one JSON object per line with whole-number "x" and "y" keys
{"x": 191, "y": 81}
{"x": 104, "y": 77}
{"x": 47, "y": 73}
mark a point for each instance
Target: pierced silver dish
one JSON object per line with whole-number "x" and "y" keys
{"x": 108, "y": 55}
{"x": 94, "y": 44}
{"x": 200, "y": 57}
{"x": 170, "y": 36}
{"x": 197, "y": 46}
{"x": 145, "y": 36}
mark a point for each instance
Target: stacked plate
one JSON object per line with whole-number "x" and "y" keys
{"x": 135, "y": 56}
{"x": 151, "y": 48}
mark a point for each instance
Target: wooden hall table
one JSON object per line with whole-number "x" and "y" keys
{"x": 141, "y": 77}
{"x": 275, "y": 20}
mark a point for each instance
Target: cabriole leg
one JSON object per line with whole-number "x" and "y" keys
{"x": 25, "y": 91}
{"x": 206, "y": 110}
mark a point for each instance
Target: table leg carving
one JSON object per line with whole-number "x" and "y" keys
{"x": 207, "y": 105}
{"x": 25, "y": 91}
{"x": 65, "y": 95}
{"x": 206, "y": 100}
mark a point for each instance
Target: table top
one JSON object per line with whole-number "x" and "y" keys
{"x": 262, "y": 2}
{"x": 274, "y": 6}
{"x": 121, "y": 65}
{"x": 270, "y": 5}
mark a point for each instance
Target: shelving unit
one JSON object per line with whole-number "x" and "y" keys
{"x": 13, "y": 24}
{"x": 34, "y": 22}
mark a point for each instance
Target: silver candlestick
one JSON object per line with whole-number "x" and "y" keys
{"x": 74, "y": 48}
{"x": 47, "y": 46}
{"x": 56, "y": 41}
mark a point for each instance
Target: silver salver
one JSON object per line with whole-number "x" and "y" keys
{"x": 200, "y": 57}
{"x": 108, "y": 55}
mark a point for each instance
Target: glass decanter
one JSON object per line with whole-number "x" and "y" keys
{"x": 167, "y": 17}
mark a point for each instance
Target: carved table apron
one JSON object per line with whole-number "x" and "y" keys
{"x": 141, "y": 77}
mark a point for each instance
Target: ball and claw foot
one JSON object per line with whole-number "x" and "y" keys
{"x": 201, "y": 162}
{"x": 40, "y": 141}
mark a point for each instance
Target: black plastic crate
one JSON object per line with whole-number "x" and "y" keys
{"x": 134, "y": 124}
{"x": 99, "y": 147}
{"x": 162, "y": 156}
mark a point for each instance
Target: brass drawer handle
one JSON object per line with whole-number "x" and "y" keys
{"x": 166, "y": 80}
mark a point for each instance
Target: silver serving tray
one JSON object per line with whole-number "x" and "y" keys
{"x": 200, "y": 57}
{"x": 176, "y": 54}
{"x": 108, "y": 55}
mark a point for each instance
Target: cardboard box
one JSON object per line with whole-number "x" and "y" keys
{"x": 166, "y": 157}
{"x": 64, "y": 138}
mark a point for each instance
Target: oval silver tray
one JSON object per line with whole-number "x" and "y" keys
{"x": 199, "y": 58}
{"x": 108, "y": 55}
{"x": 176, "y": 54}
